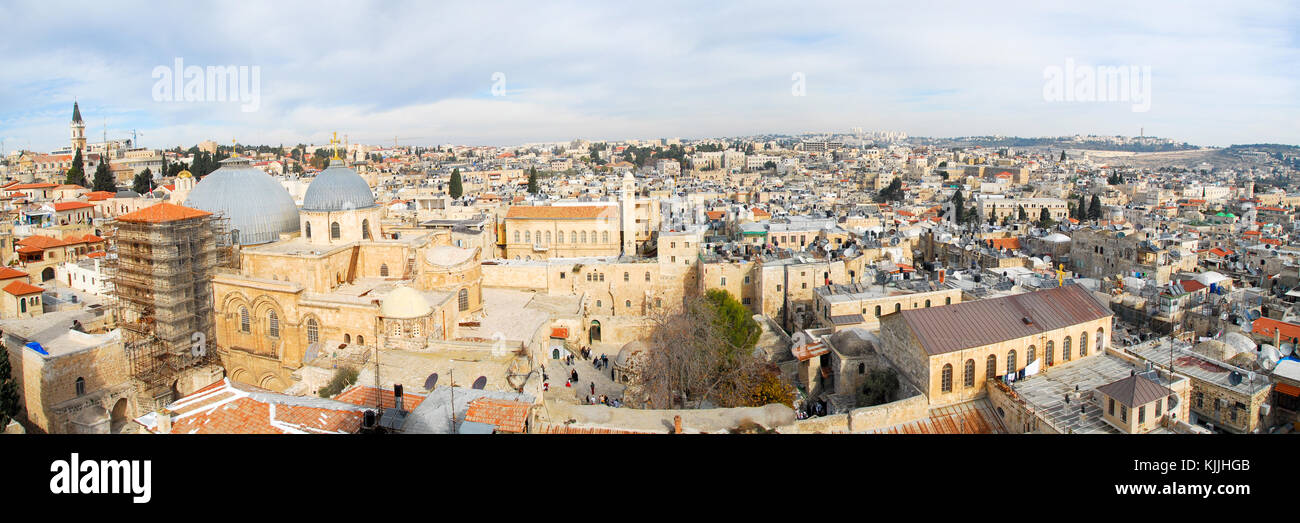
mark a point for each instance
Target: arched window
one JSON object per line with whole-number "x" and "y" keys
{"x": 548, "y": 237}
{"x": 273, "y": 324}
{"x": 1048, "y": 356}
{"x": 22, "y": 304}
{"x": 927, "y": 304}
{"x": 602, "y": 276}
{"x": 361, "y": 340}
{"x": 584, "y": 236}
{"x": 244, "y": 324}
{"x": 877, "y": 311}
{"x": 947, "y": 301}
{"x": 559, "y": 237}
{"x": 627, "y": 276}
{"x": 1083, "y": 344}
{"x": 969, "y": 375}
{"x": 1101, "y": 339}
{"x": 1011, "y": 361}
{"x": 528, "y": 236}
{"x": 347, "y": 338}
{"x": 991, "y": 369}
{"x": 862, "y": 368}
{"x": 1033, "y": 355}
{"x": 306, "y": 229}
{"x": 898, "y": 307}
{"x": 313, "y": 331}
{"x": 516, "y": 236}
{"x": 383, "y": 269}
{"x": 462, "y": 299}
{"x": 604, "y": 237}
{"x": 593, "y": 236}
{"x": 81, "y": 386}
{"x": 627, "y": 304}
{"x": 365, "y": 229}
{"x": 647, "y": 275}
{"x": 945, "y": 383}
{"x": 335, "y": 233}
{"x": 1065, "y": 349}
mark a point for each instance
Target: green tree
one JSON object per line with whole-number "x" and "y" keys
{"x": 104, "y": 177}
{"x": 1062, "y": 155}
{"x": 1045, "y": 219}
{"x": 454, "y": 188}
{"x": 879, "y": 387}
{"x": 10, "y": 403}
{"x": 532, "y": 180}
{"x": 343, "y": 377}
{"x": 76, "y": 174}
{"x": 1022, "y": 215}
{"x": 892, "y": 192}
{"x": 1081, "y": 213}
{"x": 959, "y": 207}
{"x": 143, "y": 181}
{"x": 1094, "y": 208}
{"x": 736, "y": 321}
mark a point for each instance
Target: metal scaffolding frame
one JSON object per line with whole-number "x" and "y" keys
{"x": 160, "y": 275}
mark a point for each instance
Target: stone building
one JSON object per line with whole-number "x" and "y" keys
{"x": 1105, "y": 252}
{"x": 1224, "y": 395}
{"x": 950, "y": 352}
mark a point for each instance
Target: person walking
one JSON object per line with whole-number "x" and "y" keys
{"x": 593, "y": 388}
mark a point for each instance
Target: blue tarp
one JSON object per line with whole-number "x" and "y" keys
{"x": 37, "y": 347}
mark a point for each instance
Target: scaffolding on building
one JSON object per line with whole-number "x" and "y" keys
{"x": 160, "y": 275}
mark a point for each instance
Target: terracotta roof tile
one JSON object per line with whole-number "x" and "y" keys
{"x": 506, "y": 415}
{"x": 162, "y": 213}
{"x": 18, "y": 288}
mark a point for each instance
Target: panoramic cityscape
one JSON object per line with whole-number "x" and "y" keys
{"x": 567, "y": 222}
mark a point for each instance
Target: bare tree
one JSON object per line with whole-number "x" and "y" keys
{"x": 690, "y": 360}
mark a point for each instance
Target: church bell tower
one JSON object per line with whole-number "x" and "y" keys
{"x": 78, "y": 130}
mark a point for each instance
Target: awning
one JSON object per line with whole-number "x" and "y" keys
{"x": 1289, "y": 390}
{"x": 560, "y": 332}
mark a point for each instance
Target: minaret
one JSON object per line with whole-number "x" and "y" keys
{"x": 78, "y": 129}
{"x": 627, "y": 207}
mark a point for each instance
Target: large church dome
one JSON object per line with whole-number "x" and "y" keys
{"x": 404, "y": 303}
{"x": 337, "y": 188}
{"x": 258, "y": 207}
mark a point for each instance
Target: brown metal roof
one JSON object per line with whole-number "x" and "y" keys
{"x": 1135, "y": 390}
{"x": 983, "y": 322}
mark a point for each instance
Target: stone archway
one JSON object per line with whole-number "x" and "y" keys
{"x": 47, "y": 274}
{"x": 594, "y": 331}
{"x": 120, "y": 417}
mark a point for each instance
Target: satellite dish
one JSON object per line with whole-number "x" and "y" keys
{"x": 1234, "y": 378}
{"x": 1286, "y": 349}
{"x": 1254, "y": 315}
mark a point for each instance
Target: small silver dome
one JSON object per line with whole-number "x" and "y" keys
{"x": 337, "y": 188}
{"x": 258, "y": 207}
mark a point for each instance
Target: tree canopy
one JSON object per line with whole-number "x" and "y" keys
{"x": 454, "y": 188}
{"x": 104, "y": 177}
{"x": 77, "y": 173}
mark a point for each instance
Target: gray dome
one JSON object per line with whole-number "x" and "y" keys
{"x": 256, "y": 205}
{"x": 337, "y": 188}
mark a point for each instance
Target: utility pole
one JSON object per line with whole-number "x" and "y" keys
{"x": 453, "y": 400}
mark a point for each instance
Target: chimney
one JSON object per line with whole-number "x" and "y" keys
{"x": 677, "y": 424}
{"x": 397, "y": 396}
{"x": 164, "y": 421}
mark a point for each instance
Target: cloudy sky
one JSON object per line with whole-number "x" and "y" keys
{"x": 423, "y": 73}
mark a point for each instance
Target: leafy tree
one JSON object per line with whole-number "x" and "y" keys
{"x": 343, "y": 377}
{"x": 454, "y": 188}
{"x": 1094, "y": 208}
{"x": 1045, "y": 219}
{"x": 532, "y": 180}
{"x": 76, "y": 174}
{"x": 959, "y": 207}
{"x": 769, "y": 165}
{"x": 143, "y": 181}
{"x": 9, "y": 400}
{"x": 1082, "y": 213}
{"x": 879, "y": 387}
{"x": 1022, "y": 215}
{"x": 104, "y": 176}
{"x": 892, "y": 192}
{"x": 736, "y": 321}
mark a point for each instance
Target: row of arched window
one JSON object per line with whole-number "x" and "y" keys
{"x": 573, "y": 237}
{"x": 991, "y": 363}
{"x": 335, "y": 231}
{"x": 897, "y": 306}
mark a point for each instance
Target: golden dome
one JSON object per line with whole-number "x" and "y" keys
{"x": 184, "y": 174}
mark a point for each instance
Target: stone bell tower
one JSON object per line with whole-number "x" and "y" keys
{"x": 78, "y": 130}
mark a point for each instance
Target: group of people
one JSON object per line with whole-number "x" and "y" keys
{"x": 599, "y": 362}
{"x": 604, "y": 400}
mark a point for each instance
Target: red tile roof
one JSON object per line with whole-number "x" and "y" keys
{"x": 72, "y": 206}
{"x": 364, "y": 395}
{"x": 810, "y": 350}
{"x": 561, "y": 212}
{"x": 18, "y": 288}
{"x": 7, "y": 273}
{"x": 162, "y": 213}
{"x": 223, "y": 408}
{"x": 508, "y": 415}
{"x": 1265, "y": 327}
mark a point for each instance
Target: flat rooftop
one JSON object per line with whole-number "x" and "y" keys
{"x": 1198, "y": 366}
{"x": 1046, "y": 393}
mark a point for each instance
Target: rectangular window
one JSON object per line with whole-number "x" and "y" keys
{"x": 1111, "y": 404}
{"x": 1142, "y": 414}
{"x": 1159, "y": 407}
{"x": 1123, "y": 413}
